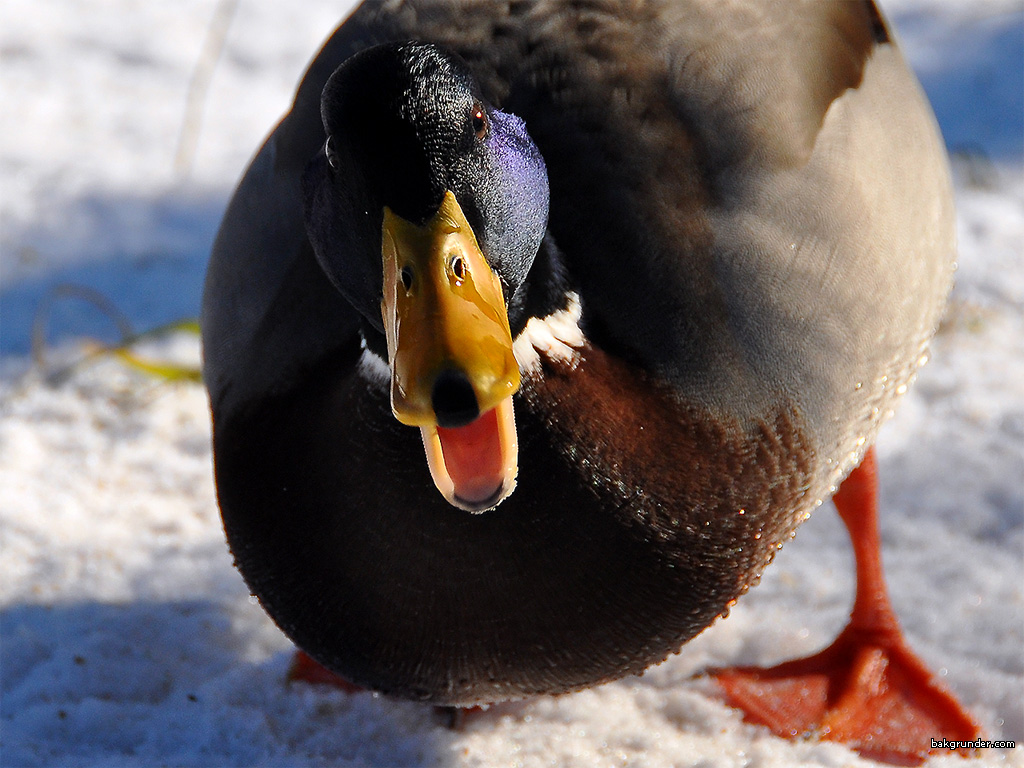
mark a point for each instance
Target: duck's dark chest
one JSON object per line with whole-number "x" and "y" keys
{"x": 629, "y": 531}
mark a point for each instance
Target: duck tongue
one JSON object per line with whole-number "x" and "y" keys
{"x": 474, "y": 466}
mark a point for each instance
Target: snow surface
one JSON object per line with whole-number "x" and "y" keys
{"x": 126, "y": 636}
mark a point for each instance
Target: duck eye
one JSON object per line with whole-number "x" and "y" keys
{"x": 332, "y": 156}
{"x": 407, "y": 277}
{"x": 479, "y": 121}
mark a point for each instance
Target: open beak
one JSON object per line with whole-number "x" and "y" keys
{"x": 453, "y": 373}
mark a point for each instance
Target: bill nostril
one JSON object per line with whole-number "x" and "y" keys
{"x": 453, "y": 399}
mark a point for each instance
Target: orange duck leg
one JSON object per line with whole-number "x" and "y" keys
{"x": 868, "y": 689}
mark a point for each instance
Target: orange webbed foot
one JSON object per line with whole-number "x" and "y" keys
{"x": 878, "y": 699}
{"x": 867, "y": 690}
{"x": 304, "y": 669}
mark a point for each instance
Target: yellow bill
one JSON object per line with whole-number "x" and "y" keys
{"x": 453, "y": 372}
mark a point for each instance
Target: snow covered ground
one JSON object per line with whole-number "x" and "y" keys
{"x": 127, "y": 638}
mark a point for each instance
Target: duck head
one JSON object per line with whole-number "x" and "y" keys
{"x": 426, "y": 208}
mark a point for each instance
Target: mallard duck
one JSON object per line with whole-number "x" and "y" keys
{"x": 536, "y": 328}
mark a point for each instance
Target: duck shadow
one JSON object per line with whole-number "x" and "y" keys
{"x": 145, "y": 255}
{"x": 184, "y": 683}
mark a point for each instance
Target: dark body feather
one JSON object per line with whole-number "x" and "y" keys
{"x": 751, "y": 308}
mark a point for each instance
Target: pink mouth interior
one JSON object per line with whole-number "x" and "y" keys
{"x": 473, "y": 457}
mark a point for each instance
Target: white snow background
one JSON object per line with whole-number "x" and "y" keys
{"x": 126, "y": 636}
